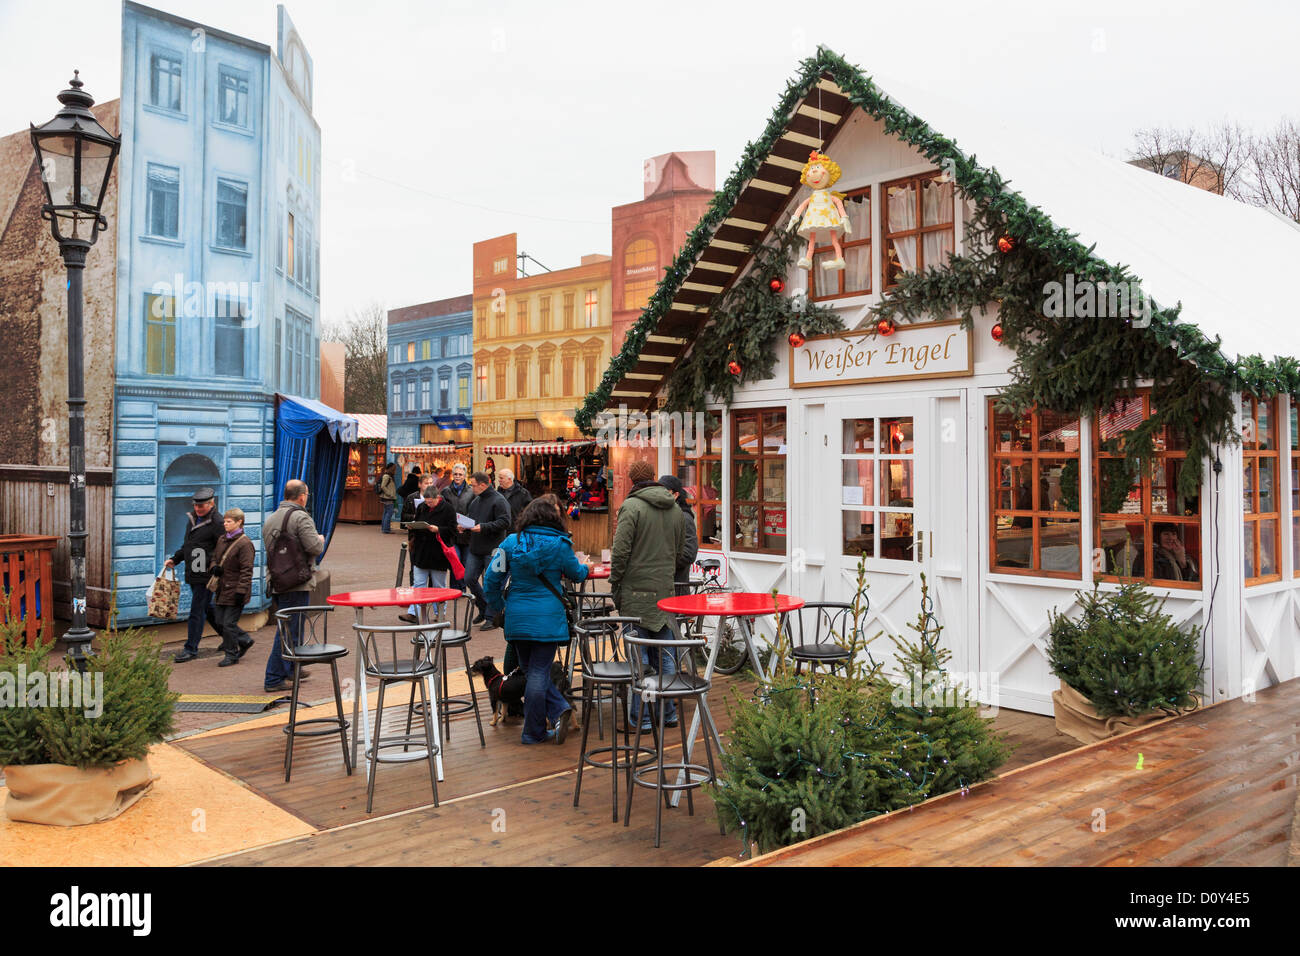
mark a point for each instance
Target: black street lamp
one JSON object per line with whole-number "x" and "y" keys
{"x": 76, "y": 156}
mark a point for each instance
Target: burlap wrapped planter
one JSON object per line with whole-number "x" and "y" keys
{"x": 62, "y": 796}
{"x": 1076, "y": 717}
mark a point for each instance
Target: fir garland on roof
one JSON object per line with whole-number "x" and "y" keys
{"x": 746, "y": 318}
{"x": 1051, "y": 371}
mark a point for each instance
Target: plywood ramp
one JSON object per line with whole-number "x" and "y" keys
{"x": 1214, "y": 788}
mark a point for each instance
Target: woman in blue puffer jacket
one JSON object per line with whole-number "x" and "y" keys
{"x": 536, "y": 618}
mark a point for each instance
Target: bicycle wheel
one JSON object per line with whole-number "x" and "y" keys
{"x": 733, "y": 654}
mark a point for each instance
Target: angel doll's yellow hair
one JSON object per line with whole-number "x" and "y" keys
{"x": 815, "y": 158}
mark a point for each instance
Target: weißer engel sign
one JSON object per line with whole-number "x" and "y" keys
{"x": 929, "y": 350}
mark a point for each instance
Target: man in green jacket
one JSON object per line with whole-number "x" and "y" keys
{"x": 648, "y": 536}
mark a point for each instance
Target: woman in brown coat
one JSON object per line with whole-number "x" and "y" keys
{"x": 232, "y": 573}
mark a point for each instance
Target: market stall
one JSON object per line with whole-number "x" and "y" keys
{"x": 576, "y": 472}
{"x": 430, "y": 457}
{"x": 966, "y": 400}
{"x": 366, "y": 460}
{"x": 311, "y": 444}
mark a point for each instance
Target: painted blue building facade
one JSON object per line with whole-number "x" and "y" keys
{"x": 218, "y": 279}
{"x": 430, "y": 372}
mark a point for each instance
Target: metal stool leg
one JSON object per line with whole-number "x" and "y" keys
{"x": 631, "y": 786}
{"x": 473, "y": 697}
{"x": 338, "y": 707}
{"x": 428, "y": 737}
{"x": 410, "y": 714}
{"x": 681, "y": 725}
{"x": 582, "y": 748}
{"x": 708, "y": 754}
{"x": 374, "y": 747}
{"x": 660, "y": 794}
{"x": 293, "y": 719}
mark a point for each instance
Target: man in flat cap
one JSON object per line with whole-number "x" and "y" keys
{"x": 202, "y": 531}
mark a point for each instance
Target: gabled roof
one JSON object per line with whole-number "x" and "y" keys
{"x": 1224, "y": 261}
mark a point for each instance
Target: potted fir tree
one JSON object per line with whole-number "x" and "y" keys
{"x": 73, "y": 747}
{"x": 1122, "y": 663}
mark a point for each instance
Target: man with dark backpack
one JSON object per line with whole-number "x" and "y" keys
{"x": 291, "y": 542}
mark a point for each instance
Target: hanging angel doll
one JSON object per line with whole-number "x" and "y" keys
{"x": 822, "y": 211}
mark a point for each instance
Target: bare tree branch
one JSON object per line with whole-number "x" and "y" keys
{"x": 364, "y": 333}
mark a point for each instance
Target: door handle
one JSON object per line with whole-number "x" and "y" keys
{"x": 920, "y": 545}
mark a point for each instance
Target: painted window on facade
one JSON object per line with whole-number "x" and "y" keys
{"x": 410, "y": 396}
{"x": 640, "y": 273}
{"x": 1262, "y": 521}
{"x": 291, "y": 245}
{"x": 426, "y": 350}
{"x": 855, "y": 277}
{"x": 701, "y": 479}
{"x": 462, "y": 392}
{"x": 1034, "y": 462}
{"x": 165, "y": 81}
{"x": 500, "y": 265}
{"x": 544, "y": 363}
{"x": 591, "y": 309}
{"x": 758, "y": 507}
{"x": 232, "y": 214}
{"x": 277, "y": 355}
{"x": 917, "y": 225}
{"x": 426, "y": 389}
{"x": 480, "y": 321}
{"x": 521, "y": 377}
{"x": 232, "y": 97}
{"x": 590, "y": 365}
{"x": 481, "y": 395}
{"x": 568, "y": 310}
{"x": 397, "y": 397}
{"x": 159, "y": 334}
{"x": 163, "y": 201}
{"x": 521, "y": 317}
{"x": 1141, "y": 512}
{"x": 444, "y": 393}
{"x": 499, "y": 372}
{"x": 410, "y": 351}
{"x": 544, "y": 313}
{"x": 279, "y": 238}
{"x": 228, "y": 349}
{"x": 464, "y": 345}
{"x": 566, "y": 374}
{"x": 877, "y": 487}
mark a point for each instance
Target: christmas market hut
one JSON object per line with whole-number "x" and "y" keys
{"x": 576, "y": 472}
{"x": 1017, "y": 368}
{"x": 366, "y": 459}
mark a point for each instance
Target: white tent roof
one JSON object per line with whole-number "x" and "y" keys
{"x": 1229, "y": 264}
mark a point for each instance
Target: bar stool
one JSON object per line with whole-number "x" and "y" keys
{"x": 457, "y": 634}
{"x": 679, "y": 686}
{"x": 605, "y": 670}
{"x": 586, "y": 605}
{"x": 312, "y": 625}
{"x": 383, "y": 661}
{"x": 815, "y": 635}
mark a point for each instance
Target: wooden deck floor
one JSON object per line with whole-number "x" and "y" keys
{"x": 1217, "y": 787}
{"x": 532, "y": 787}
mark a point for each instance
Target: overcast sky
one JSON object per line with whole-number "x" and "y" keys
{"x": 452, "y": 121}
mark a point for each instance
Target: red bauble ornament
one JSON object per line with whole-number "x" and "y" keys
{"x": 996, "y": 332}
{"x": 885, "y": 327}
{"x": 777, "y": 285}
{"x": 1006, "y": 243}
{"x": 733, "y": 367}
{"x": 796, "y": 339}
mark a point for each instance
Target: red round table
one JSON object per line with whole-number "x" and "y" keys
{"x": 730, "y": 604}
{"x": 722, "y": 605}
{"x": 385, "y": 597}
{"x": 599, "y": 572}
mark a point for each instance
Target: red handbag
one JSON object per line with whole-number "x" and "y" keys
{"x": 453, "y": 559}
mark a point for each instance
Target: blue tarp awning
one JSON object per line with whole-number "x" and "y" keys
{"x": 311, "y": 444}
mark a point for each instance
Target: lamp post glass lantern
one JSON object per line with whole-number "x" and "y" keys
{"x": 76, "y": 156}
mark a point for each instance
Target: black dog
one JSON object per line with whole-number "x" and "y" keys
{"x": 506, "y": 692}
